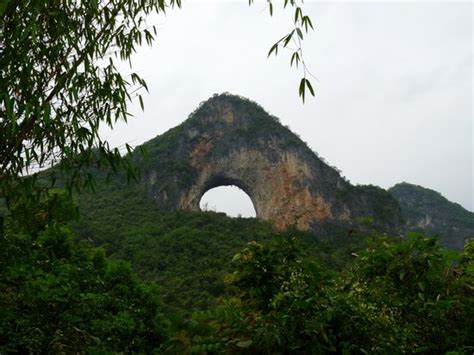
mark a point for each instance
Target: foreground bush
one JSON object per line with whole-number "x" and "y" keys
{"x": 399, "y": 296}
{"x": 60, "y": 296}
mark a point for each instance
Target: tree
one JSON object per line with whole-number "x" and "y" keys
{"x": 59, "y": 82}
{"x": 406, "y": 295}
{"x": 61, "y": 296}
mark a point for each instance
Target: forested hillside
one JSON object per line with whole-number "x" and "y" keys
{"x": 187, "y": 253}
{"x": 428, "y": 211}
{"x": 183, "y": 282}
{"x": 231, "y": 283}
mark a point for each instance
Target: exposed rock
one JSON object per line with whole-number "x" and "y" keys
{"x": 229, "y": 140}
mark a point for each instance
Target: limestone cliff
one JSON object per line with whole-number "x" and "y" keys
{"x": 230, "y": 140}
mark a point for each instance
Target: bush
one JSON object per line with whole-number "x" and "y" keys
{"x": 59, "y": 296}
{"x": 400, "y": 296}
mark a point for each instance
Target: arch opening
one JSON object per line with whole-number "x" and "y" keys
{"x": 230, "y": 199}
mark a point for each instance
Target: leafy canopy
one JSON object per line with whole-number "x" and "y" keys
{"x": 59, "y": 81}
{"x": 398, "y": 297}
{"x": 60, "y": 296}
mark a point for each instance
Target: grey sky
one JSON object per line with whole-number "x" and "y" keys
{"x": 394, "y": 97}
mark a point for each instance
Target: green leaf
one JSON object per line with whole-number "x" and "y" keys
{"x": 298, "y": 14}
{"x": 310, "y": 87}
{"x": 307, "y": 22}
{"x": 300, "y": 34}
{"x": 143, "y": 151}
{"x": 295, "y": 58}
{"x": 301, "y": 89}
{"x": 287, "y": 39}
{"x": 46, "y": 114}
{"x": 274, "y": 48}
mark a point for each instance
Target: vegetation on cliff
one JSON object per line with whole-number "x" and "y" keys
{"x": 404, "y": 207}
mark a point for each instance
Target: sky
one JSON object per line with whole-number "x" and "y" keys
{"x": 393, "y": 85}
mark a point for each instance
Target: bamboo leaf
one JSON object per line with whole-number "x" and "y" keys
{"x": 274, "y": 48}
{"x": 301, "y": 89}
{"x": 310, "y": 87}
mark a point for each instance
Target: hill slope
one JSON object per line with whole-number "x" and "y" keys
{"x": 429, "y": 211}
{"x": 188, "y": 254}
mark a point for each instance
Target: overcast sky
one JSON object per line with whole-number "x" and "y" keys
{"x": 393, "y": 97}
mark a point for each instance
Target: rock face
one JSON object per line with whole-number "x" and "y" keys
{"x": 229, "y": 140}
{"x": 428, "y": 211}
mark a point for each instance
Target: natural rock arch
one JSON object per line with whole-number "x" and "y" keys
{"x": 275, "y": 183}
{"x": 270, "y": 183}
{"x": 229, "y": 140}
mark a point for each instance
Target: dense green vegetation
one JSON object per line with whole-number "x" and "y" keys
{"x": 222, "y": 284}
{"x": 186, "y": 253}
{"x": 397, "y": 297}
{"x": 60, "y": 296}
{"x": 357, "y": 293}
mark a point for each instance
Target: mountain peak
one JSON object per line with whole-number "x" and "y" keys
{"x": 228, "y": 107}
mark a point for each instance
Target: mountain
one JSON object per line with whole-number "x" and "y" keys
{"x": 230, "y": 140}
{"x": 428, "y": 211}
